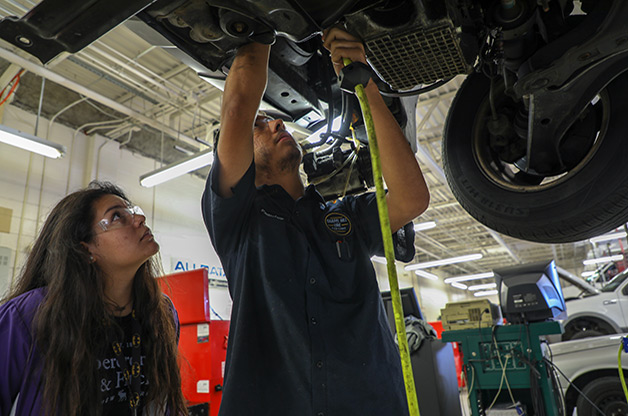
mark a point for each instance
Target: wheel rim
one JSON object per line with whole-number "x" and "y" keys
{"x": 507, "y": 175}
{"x": 613, "y": 404}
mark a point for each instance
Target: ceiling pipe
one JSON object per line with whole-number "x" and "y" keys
{"x": 93, "y": 63}
{"x": 138, "y": 69}
{"x": 80, "y": 89}
{"x": 76, "y": 132}
{"x": 167, "y": 75}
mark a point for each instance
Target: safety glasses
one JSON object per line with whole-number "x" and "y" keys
{"x": 120, "y": 217}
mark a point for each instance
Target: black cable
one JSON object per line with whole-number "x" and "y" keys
{"x": 348, "y": 108}
{"x": 528, "y": 338}
{"x": 330, "y": 101}
{"x": 531, "y": 364}
{"x": 556, "y": 384}
{"x": 574, "y": 386}
{"x": 212, "y": 76}
{"x": 537, "y": 403}
{"x": 480, "y": 400}
{"x": 486, "y": 310}
{"x": 329, "y": 150}
{"x": 549, "y": 349}
{"x": 491, "y": 98}
{"x": 537, "y": 400}
{"x": 418, "y": 91}
{"x": 328, "y": 87}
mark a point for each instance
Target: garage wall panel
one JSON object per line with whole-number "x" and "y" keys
{"x": 173, "y": 208}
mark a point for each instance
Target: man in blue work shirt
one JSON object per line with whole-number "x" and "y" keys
{"x": 308, "y": 335}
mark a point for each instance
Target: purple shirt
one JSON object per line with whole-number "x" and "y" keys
{"x": 20, "y": 370}
{"x": 18, "y": 373}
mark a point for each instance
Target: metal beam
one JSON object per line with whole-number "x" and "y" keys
{"x": 9, "y": 74}
{"x": 40, "y": 70}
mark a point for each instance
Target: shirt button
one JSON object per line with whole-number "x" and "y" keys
{"x": 314, "y": 321}
{"x": 312, "y": 281}
{"x": 319, "y": 364}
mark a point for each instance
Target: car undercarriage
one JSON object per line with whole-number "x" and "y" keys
{"x": 534, "y": 142}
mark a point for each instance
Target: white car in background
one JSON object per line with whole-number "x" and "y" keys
{"x": 592, "y": 312}
{"x": 591, "y": 366}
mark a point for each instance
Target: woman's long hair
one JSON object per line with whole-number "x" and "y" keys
{"x": 68, "y": 325}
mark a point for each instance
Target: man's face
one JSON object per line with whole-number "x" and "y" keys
{"x": 275, "y": 148}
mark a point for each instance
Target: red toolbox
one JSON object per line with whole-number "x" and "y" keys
{"x": 202, "y": 343}
{"x": 189, "y": 291}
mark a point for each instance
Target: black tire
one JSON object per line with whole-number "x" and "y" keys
{"x": 587, "y": 334}
{"x": 590, "y": 199}
{"x": 608, "y": 396}
{"x": 586, "y": 327}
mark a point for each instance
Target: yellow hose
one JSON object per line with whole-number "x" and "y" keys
{"x": 384, "y": 220}
{"x": 621, "y": 371}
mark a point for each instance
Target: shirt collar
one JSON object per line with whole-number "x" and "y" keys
{"x": 311, "y": 192}
{"x": 276, "y": 190}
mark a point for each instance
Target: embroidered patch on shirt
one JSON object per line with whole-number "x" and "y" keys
{"x": 338, "y": 223}
{"x": 268, "y": 214}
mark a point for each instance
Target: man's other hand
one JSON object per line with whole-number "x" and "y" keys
{"x": 342, "y": 45}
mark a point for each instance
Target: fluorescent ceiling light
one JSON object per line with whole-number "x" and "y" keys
{"x": 443, "y": 262}
{"x": 613, "y": 236}
{"x": 31, "y": 143}
{"x": 484, "y": 286}
{"x": 316, "y": 136}
{"x": 425, "y": 274}
{"x": 424, "y": 226}
{"x": 379, "y": 259}
{"x": 605, "y": 259}
{"x": 464, "y": 278}
{"x": 459, "y": 285}
{"x": 486, "y": 293}
{"x": 587, "y": 274}
{"x": 174, "y": 170}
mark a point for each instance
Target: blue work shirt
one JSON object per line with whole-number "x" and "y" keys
{"x": 309, "y": 335}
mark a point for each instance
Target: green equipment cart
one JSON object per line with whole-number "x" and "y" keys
{"x": 506, "y": 364}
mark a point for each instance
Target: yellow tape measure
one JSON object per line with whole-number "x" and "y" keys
{"x": 384, "y": 220}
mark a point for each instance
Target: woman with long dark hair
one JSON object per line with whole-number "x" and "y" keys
{"x": 86, "y": 329}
